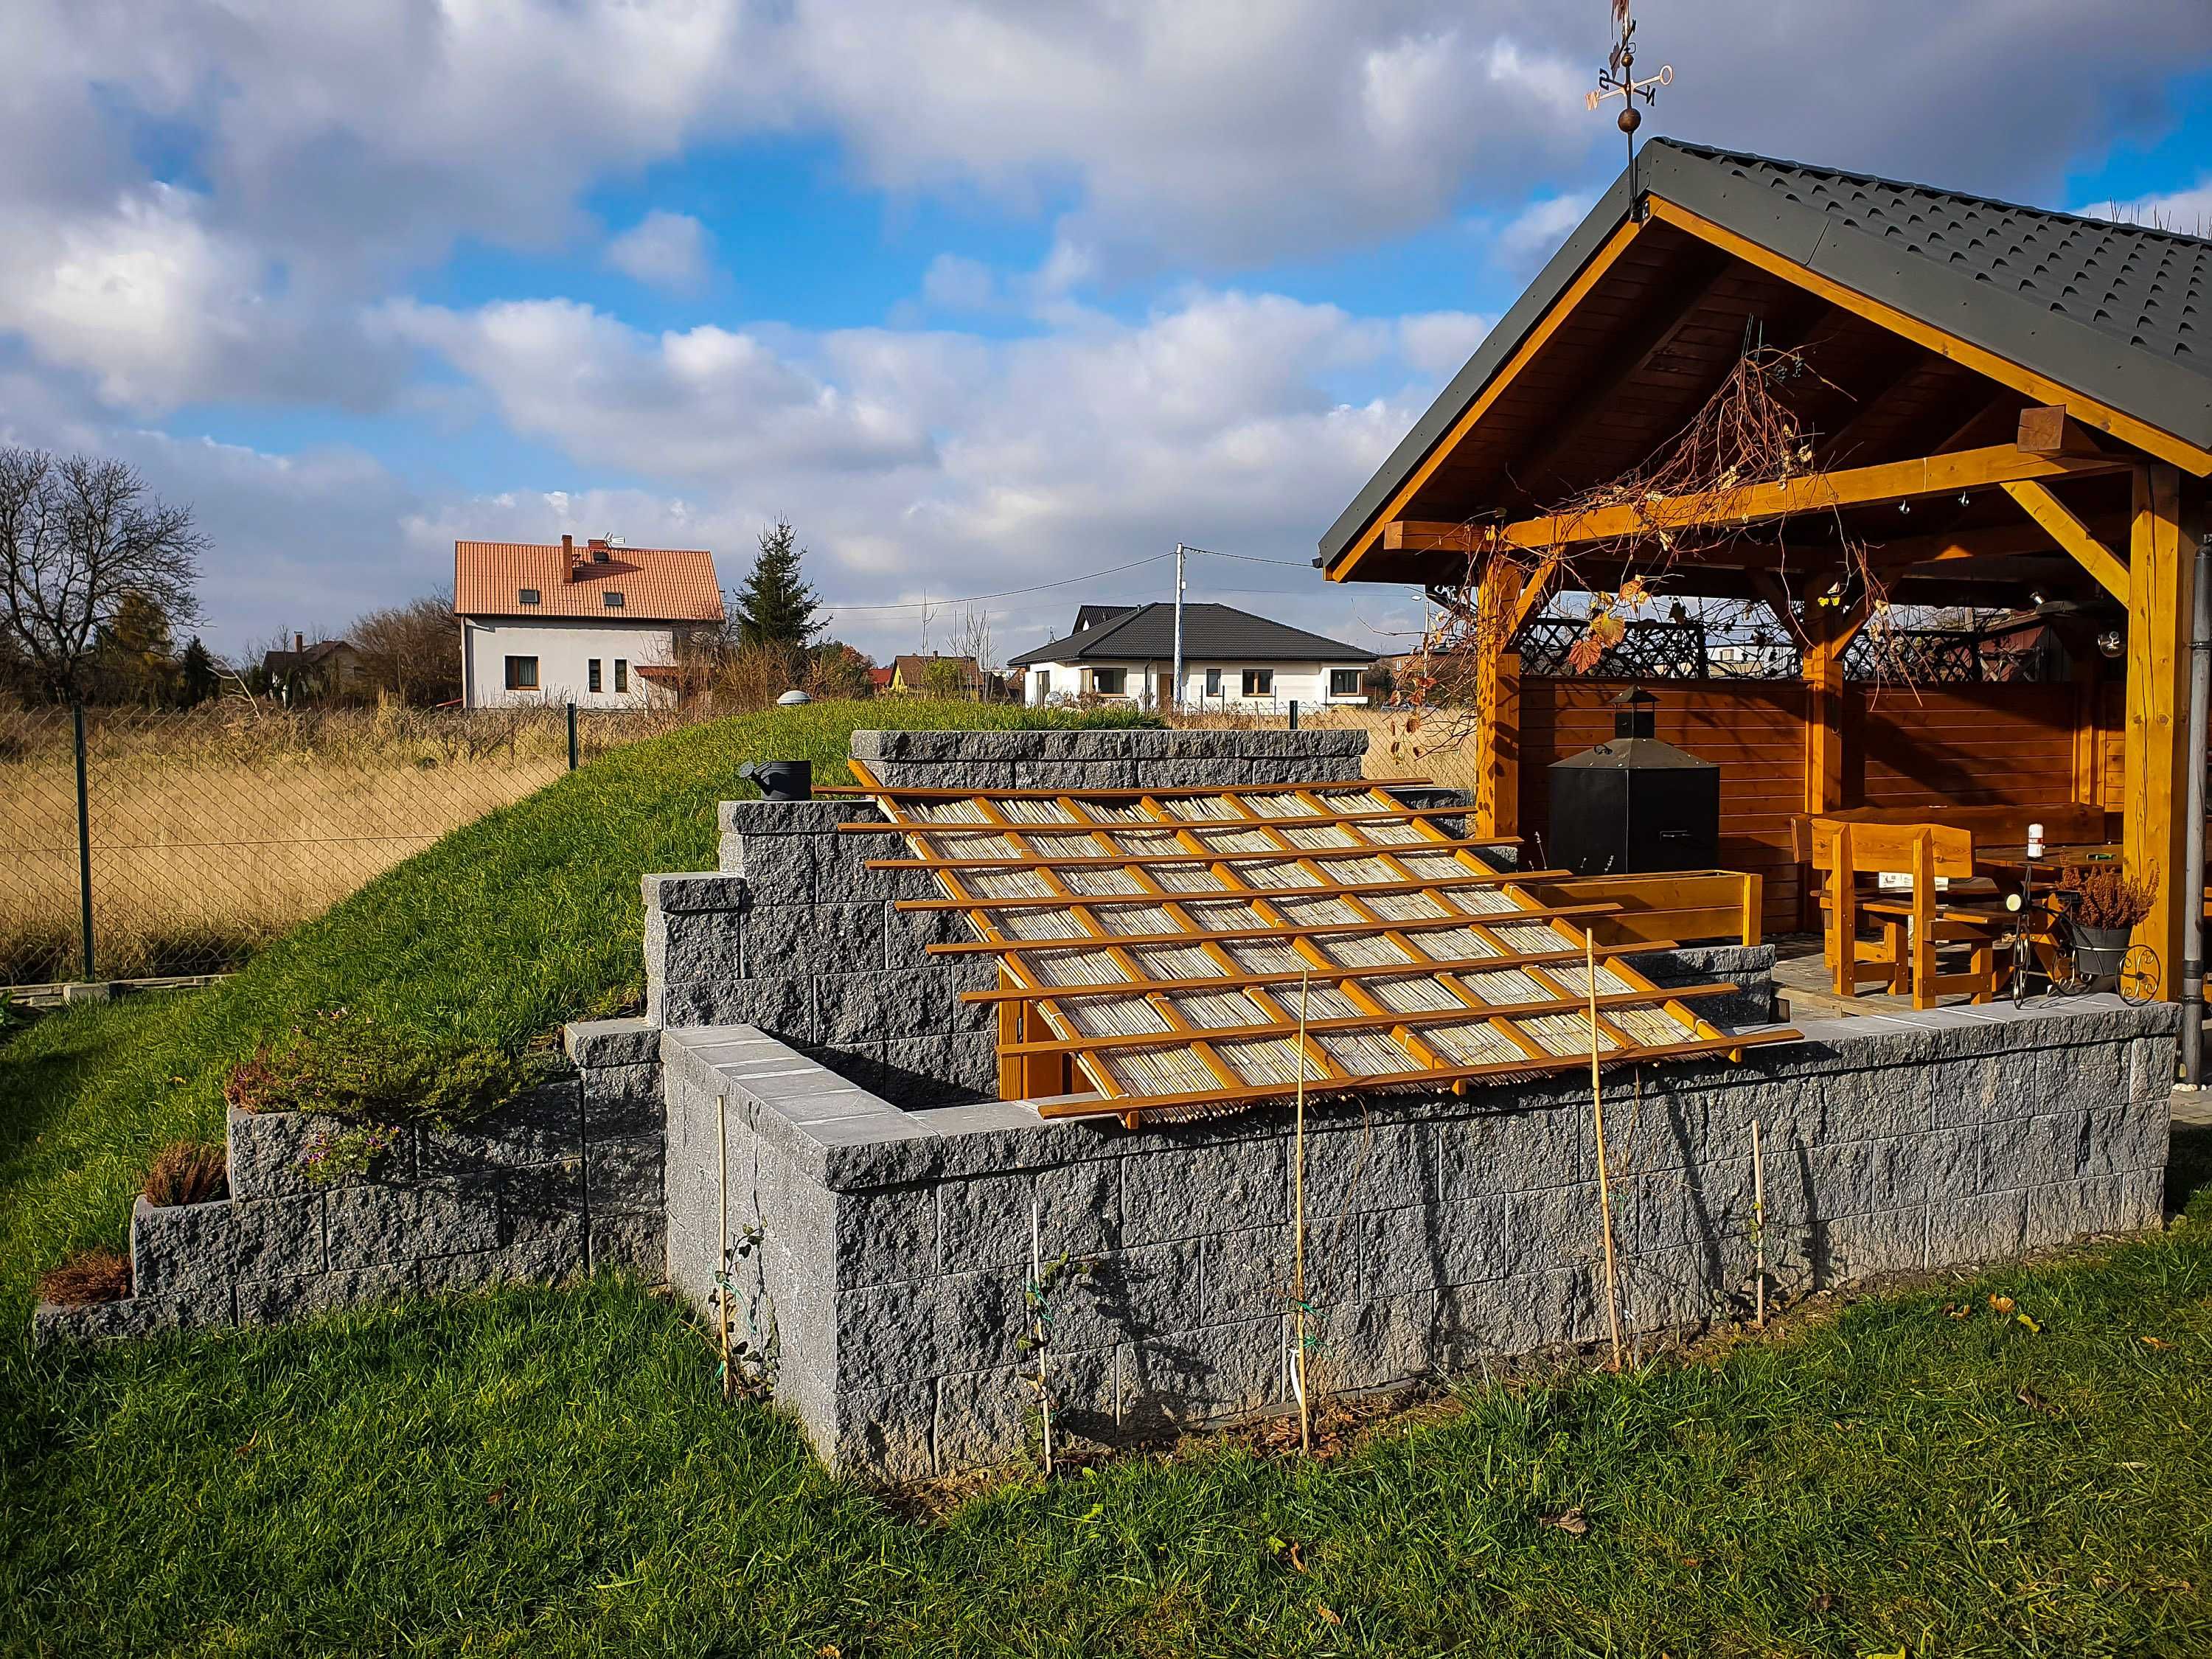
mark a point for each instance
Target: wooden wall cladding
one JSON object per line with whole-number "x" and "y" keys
{"x": 1754, "y": 732}
{"x": 1992, "y": 746}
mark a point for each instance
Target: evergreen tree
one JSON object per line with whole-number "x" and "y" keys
{"x": 775, "y": 607}
{"x": 198, "y": 682}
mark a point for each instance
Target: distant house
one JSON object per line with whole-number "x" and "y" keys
{"x": 880, "y": 680}
{"x": 1230, "y": 658}
{"x": 596, "y": 625}
{"x": 912, "y": 676}
{"x": 312, "y": 673}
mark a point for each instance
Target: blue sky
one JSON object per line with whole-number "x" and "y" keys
{"x": 980, "y": 296}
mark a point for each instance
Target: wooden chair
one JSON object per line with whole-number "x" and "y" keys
{"x": 1910, "y": 927}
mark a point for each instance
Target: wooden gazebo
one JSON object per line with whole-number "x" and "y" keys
{"x": 2012, "y": 410}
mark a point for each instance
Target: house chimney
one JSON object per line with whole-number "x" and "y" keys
{"x": 299, "y": 645}
{"x": 567, "y": 558}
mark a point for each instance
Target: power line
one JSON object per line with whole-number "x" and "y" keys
{"x": 1004, "y": 593}
{"x": 1250, "y": 558}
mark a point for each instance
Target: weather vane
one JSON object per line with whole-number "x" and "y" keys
{"x": 1618, "y": 79}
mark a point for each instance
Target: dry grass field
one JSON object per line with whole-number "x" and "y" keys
{"x": 1433, "y": 751}
{"x": 214, "y": 830}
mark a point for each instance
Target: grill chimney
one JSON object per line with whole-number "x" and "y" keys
{"x": 1635, "y": 715}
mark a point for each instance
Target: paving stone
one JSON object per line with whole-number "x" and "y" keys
{"x": 601, "y": 1044}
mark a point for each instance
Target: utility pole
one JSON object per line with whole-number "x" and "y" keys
{"x": 1175, "y": 685}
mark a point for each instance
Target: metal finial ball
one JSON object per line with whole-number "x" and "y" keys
{"x": 1631, "y": 119}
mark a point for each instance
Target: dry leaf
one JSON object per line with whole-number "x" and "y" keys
{"x": 1297, "y": 1560}
{"x": 828, "y": 1651}
{"x": 1327, "y": 1617}
{"x": 1570, "y": 1522}
{"x": 2033, "y": 1329}
{"x": 2155, "y": 1342}
{"x": 2000, "y": 1303}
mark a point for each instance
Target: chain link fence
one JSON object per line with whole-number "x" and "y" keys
{"x": 139, "y": 844}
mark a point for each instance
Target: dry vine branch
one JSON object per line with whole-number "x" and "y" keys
{"x": 1685, "y": 502}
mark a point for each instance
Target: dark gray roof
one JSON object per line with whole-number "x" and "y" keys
{"x": 1089, "y": 615}
{"x": 1146, "y": 633}
{"x": 2118, "y": 312}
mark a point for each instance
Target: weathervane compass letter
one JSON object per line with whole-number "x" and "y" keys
{"x": 1618, "y": 79}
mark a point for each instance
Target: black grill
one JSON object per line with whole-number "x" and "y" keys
{"x": 1635, "y": 804}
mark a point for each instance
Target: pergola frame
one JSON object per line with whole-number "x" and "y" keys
{"x": 2053, "y": 454}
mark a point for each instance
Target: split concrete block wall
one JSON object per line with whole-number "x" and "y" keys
{"x": 891, "y": 1247}
{"x": 563, "y": 1179}
{"x": 796, "y": 936}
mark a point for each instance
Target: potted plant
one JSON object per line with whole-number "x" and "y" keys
{"x": 2106, "y": 902}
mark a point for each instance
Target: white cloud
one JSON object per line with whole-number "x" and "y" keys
{"x": 1533, "y": 234}
{"x": 954, "y": 283}
{"x": 2189, "y": 211}
{"x": 663, "y": 249}
{"x": 1437, "y": 342}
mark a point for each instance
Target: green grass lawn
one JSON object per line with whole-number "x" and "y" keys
{"x": 548, "y": 1472}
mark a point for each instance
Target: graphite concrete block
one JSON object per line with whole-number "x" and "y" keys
{"x": 1982, "y": 1227}
{"x": 777, "y": 869}
{"x": 2084, "y": 1075}
{"x": 865, "y": 1238}
{"x": 1374, "y": 1166}
{"x": 636, "y": 1245}
{"x": 1424, "y": 1246}
{"x": 378, "y": 1225}
{"x": 1844, "y": 1249}
{"x": 279, "y": 1235}
{"x": 907, "y": 936}
{"x": 979, "y": 1320}
{"x": 885, "y": 1434}
{"x": 547, "y": 1123}
{"x": 1076, "y": 775}
{"x": 1868, "y": 1177}
{"x": 2067, "y": 1210}
{"x": 1511, "y": 1151}
{"x": 984, "y": 1220}
{"x": 132, "y": 1318}
{"x": 623, "y": 1100}
{"x": 2030, "y": 1152}
{"x": 1247, "y": 1273}
{"x": 981, "y": 776}
{"x": 1129, "y": 1295}
{"x": 624, "y": 1177}
{"x": 1371, "y": 1343}
{"x": 1670, "y": 1289}
{"x": 182, "y": 1249}
{"x": 266, "y": 1150}
{"x": 1562, "y": 1226}
{"x": 1214, "y": 1371}
{"x": 1953, "y": 1162}
{"x": 1517, "y": 1315}
{"x": 687, "y": 945}
{"x": 299, "y": 1295}
{"x": 2122, "y": 1139}
{"x": 2151, "y": 1070}
{"x": 888, "y": 1334}
{"x": 990, "y": 1417}
{"x": 803, "y": 940}
{"x": 1181, "y": 1192}
{"x": 879, "y": 1006}
{"x": 782, "y": 1004}
{"x": 693, "y": 892}
{"x": 599, "y": 1044}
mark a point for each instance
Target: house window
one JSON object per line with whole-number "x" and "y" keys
{"x": 1044, "y": 683}
{"x": 1344, "y": 682}
{"x": 613, "y": 599}
{"x": 1213, "y": 682}
{"x": 522, "y": 674}
{"x": 1259, "y": 682}
{"x": 528, "y": 596}
{"x": 1108, "y": 682}
{"x": 621, "y": 674}
{"x": 591, "y": 675}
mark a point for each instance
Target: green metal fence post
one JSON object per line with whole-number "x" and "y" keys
{"x": 572, "y": 736}
{"x": 83, "y": 838}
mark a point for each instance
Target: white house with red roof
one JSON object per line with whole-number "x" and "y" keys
{"x": 595, "y": 625}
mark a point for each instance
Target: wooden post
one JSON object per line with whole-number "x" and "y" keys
{"x": 1824, "y": 710}
{"x": 1497, "y": 702}
{"x": 2159, "y": 600}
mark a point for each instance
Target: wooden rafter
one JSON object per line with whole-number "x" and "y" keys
{"x": 2059, "y": 523}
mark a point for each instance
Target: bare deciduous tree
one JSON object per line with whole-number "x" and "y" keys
{"x": 412, "y": 650}
{"x": 78, "y": 536}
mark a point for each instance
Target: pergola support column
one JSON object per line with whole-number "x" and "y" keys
{"x": 2158, "y": 581}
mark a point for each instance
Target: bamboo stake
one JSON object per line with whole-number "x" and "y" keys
{"x": 1298, "y": 1271}
{"x": 722, "y": 1290}
{"x": 1036, "y": 1280}
{"x": 1604, "y": 1183}
{"x": 1759, "y": 1217}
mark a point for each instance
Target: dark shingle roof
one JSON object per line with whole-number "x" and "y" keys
{"x": 1146, "y": 633}
{"x": 2118, "y": 312}
{"x": 1089, "y": 615}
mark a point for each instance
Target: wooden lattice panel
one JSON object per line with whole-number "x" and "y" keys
{"x": 1187, "y": 950}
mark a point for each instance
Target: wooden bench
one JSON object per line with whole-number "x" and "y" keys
{"x": 2065, "y": 823}
{"x": 1910, "y": 926}
{"x": 1677, "y": 907}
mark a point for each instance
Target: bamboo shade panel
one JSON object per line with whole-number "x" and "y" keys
{"x": 1155, "y": 927}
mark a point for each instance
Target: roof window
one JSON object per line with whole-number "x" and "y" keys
{"x": 614, "y": 599}
{"x": 529, "y": 596}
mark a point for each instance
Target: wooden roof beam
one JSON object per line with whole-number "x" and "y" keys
{"x": 1815, "y": 492}
{"x": 2070, "y": 533}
